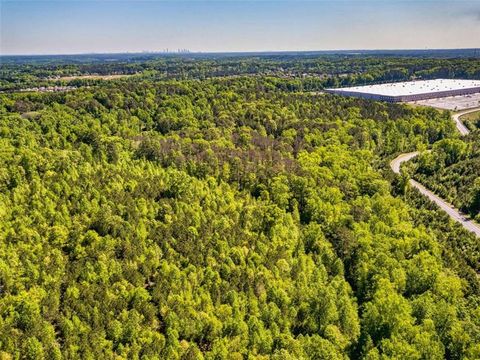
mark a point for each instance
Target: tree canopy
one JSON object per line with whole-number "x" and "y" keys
{"x": 222, "y": 219}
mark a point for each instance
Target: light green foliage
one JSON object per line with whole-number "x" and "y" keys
{"x": 218, "y": 219}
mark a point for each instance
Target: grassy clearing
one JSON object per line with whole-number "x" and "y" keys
{"x": 473, "y": 116}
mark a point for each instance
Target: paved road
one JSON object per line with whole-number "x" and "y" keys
{"x": 397, "y": 162}
{"x": 462, "y": 128}
{"x": 455, "y": 214}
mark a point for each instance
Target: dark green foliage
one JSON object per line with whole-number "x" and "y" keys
{"x": 452, "y": 170}
{"x": 219, "y": 219}
{"x": 299, "y": 72}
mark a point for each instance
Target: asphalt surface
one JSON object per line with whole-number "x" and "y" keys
{"x": 462, "y": 128}
{"x": 397, "y": 162}
{"x": 455, "y": 214}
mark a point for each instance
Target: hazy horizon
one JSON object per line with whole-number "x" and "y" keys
{"x": 236, "y": 52}
{"x": 74, "y": 27}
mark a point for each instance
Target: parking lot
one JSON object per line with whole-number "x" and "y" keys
{"x": 455, "y": 103}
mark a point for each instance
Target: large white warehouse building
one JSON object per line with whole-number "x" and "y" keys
{"x": 411, "y": 90}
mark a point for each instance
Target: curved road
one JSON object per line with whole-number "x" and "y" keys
{"x": 455, "y": 214}
{"x": 462, "y": 128}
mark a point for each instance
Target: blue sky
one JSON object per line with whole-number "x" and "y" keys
{"x": 67, "y": 26}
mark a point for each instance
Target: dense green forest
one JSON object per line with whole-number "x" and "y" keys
{"x": 452, "y": 170}
{"x": 316, "y": 71}
{"x": 226, "y": 218}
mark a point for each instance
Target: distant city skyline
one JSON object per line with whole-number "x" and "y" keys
{"x": 73, "y": 27}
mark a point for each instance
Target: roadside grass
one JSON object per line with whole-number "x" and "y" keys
{"x": 473, "y": 116}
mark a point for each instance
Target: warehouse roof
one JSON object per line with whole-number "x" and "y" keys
{"x": 412, "y": 87}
